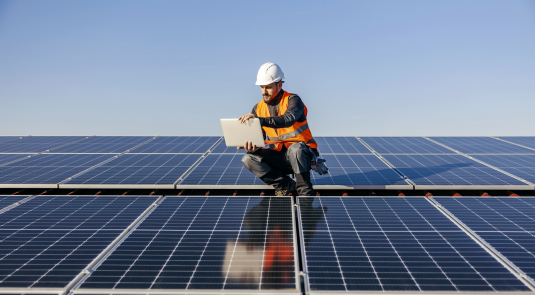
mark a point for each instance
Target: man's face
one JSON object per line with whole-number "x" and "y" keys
{"x": 270, "y": 91}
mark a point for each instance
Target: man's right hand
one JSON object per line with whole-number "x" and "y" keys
{"x": 249, "y": 146}
{"x": 246, "y": 117}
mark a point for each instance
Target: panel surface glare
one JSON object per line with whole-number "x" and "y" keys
{"x": 222, "y": 169}
{"x": 448, "y": 170}
{"x": 49, "y": 240}
{"x": 522, "y": 166}
{"x": 527, "y": 141}
{"x": 178, "y": 144}
{"x": 341, "y": 145}
{"x": 357, "y": 170}
{"x": 507, "y": 224}
{"x": 221, "y": 243}
{"x": 405, "y": 145}
{"x": 8, "y": 138}
{"x": 103, "y": 144}
{"x": 49, "y": 168}
{"x": 36, "y": 144}
{"x": 393, "y": 244}
{"x": 139, "y": 169}
{"x": 6, "y": 201}
{"x": 481, "y": 145}
{"x": 6, "y": 158}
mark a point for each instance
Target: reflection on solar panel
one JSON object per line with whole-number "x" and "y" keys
{"x": 139, "y": 169}
{"x": 178, "y": 144}
{"x": 216, "y": 243}
{"x": 481, "y": 145}
{"x": 507, "y": 224}
{"x": 357, "y": 170}
{"x": 8, "y": 138}
{"x": 48, "y": 240}
{"x": 36, "y": 144}
{"x": 6, "y": 158}
{"x": 391, "y": 244}
{"x": 48, "y": 168}
{"x": 6, "y": 201}
{"x": 103, "y": 144}
{"x": 221, "y": 169}
{"x": 527, "y": 141}
{"x": 341, "y": 145}
{"x": 522, "y": 166}
{"x": 448, "y": 170}
{"x": 405, "y": 145}
{"x": 222, "y": 148}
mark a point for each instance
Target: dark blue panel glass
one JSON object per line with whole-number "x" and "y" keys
{"x": 206, "y": 243}
{"x": 139, "y": 169}
{"x": 222, "y": 169}
{"x": 178, "y": 144}
{"x": 341, "y": 145}
{"x": 7, "y": 158}
{"x": 448, "y": 170}
{"x": 103, "y": 144}
{"x": 222, "y": 148}
{"x": 6, "y": 201}
{"x": 49, "y": 168}
{"x": 481, "y": 145}
{"x": 527, "y": 141}
{"x": 404, "y": 145}
{"x": 36, "y": 144}
{"x": 522, "y": 166}
{"x": 392, "y": 244}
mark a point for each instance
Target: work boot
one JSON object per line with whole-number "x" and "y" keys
{"x": 281, "y": 182}
{"x": 303, "y": 184}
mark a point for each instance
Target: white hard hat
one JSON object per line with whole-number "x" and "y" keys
{"x": 269, "y": 73}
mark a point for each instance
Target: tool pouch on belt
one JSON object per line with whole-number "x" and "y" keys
{"x": 318, "y": 165}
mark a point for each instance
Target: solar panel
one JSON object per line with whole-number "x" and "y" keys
{"x": 6, "y": 201}
{"x": 221, "y": 148}
{"x": 48, "y": 168}
{"x": 393, "y": 244}
{"x": 103, "y": 144}
{"x": 178, "y": 144}
{"x": 448, "y": 170}
{"x": 358, "y": 170}
{"x": 36, "y": 144}
{"x": 154, "y": 169}
{"x": 404, "y": 145}
{"x": 221, "y": 169}
{"x": 507, "y": 224}
{"x": 481, "y": 145}
{"x": 8, "y": 138}
{"x": 7, "y": 158}
{"x": 527, "y": 141}
{"x": 47, "y": 241}
{"x": 205, "y": 243}
{"x": 522, "y": 166}
{"x": 341, "y": 145}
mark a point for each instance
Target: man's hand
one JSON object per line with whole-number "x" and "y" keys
{"x": 246, "y": 117}
{"x": 249, "y": 146}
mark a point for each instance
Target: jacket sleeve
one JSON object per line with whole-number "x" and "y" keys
{"x": 294, "y": 113}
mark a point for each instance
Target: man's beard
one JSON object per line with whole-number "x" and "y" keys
{"x": 267, "y": 98}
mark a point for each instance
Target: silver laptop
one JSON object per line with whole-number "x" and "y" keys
{"x": 236, "y": 133}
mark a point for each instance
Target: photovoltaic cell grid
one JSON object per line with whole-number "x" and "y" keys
{"x": 341, "y": 145}
{"x": 481, "y": 145}
{"x": 217, "y": 243}
{"x": 357, "y": 170}
{"x": 48, "y": 168}
{"x": 47, "y": 241}
{"x": 6, "y": 201}
{"x": 8, "y": 138}
{"x": 178, "y": 144}
{"x": 522, "y": 166}
{"x": 139, "y": 169}
{"x": 448, "y": 170}
{"x": 405, "y": 145}
{"x": 221, "y": 169}
{"x": 507, "y": 224}
{"x": 222, "y": 148}
{"x": 6, "y": 158}
{"x": 393, "y": 244}
{"x": 527, "y": 141}
{"x": 36, "y": 144}
{"x": 103, "y": 144}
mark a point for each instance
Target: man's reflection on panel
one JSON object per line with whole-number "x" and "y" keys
{"x": 264, "y": 253}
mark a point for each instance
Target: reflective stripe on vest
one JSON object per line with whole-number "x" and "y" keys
{"x": 298, "y": 132}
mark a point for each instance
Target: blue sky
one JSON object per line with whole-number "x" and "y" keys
{"x": 176, "y": 67}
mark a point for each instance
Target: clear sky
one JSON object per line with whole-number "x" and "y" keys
{"x": 176, "y": 67}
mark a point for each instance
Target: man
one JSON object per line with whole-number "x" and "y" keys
{"x": 291, "y": 147}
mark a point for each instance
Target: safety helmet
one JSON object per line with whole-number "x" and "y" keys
{"x": 269, "y": 73}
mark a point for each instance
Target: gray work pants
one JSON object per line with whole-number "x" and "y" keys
{"x": 273, "y": 167}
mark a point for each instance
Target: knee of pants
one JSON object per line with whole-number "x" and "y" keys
{"x": 250, "y": 161}
{"x": 298, "y": 150}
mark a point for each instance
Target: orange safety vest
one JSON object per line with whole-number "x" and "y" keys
{"x": 298, "y": 132}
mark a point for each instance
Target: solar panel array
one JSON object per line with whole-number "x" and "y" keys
{"x": 205, "y": 161}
